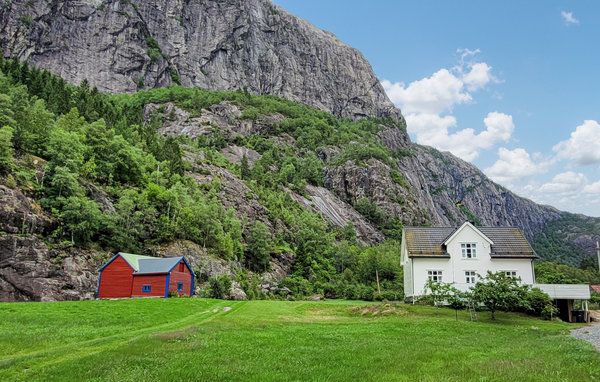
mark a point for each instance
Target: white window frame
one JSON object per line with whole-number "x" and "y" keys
{"x": 468, "y": 250}
{"x": 435, "y": 275}
{"x": 511, "y": 274}
{"x": 470, "y": 277}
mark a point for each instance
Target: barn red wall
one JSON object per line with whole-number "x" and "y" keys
{"x": 157, "y": 282}
{"x": 184, "y": 277}
{"x": 116, "y": 280}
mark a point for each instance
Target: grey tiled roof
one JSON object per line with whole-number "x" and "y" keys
{"x": 427, "y": 241}
{"x": 509, "y": 242}
{"x": 157, "y": 265}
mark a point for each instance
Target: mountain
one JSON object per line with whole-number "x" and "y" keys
{"x": 124, "y": 46}
{"x": 356, "y": 167}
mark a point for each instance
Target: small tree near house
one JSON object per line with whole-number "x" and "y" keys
{"x": 499, "y": 292}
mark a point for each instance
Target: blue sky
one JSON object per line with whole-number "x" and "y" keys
{"x": 513, "y": 87}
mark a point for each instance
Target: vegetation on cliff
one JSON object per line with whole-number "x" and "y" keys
{"x": 110, "y": 180}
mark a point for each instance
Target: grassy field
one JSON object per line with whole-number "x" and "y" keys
{"x": 195, "y": 339}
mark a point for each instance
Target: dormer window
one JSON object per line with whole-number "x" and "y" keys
{"x": 469, "y": 250}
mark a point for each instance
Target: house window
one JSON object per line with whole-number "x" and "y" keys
{"x": 469, "y": 250}
{"x": 434, "y": 275}
{"x": 179, "y": 287}
{"x": 470, "y": 277}
{"x": 146, "y": 288}
{"x": 511, "y": 274}
{"x": 181, "y": 267}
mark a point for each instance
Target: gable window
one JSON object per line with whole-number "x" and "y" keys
{"x": 511, "y": 274}
{"x": 469, "y": 250}
{"x": 181, "y": 265}
{"x": 179, "y": 287}
{"x": 470, "y": 277}
{"x": 146, "y": 288}
{"x": 434, "y": 275}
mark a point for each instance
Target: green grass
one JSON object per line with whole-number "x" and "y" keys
{"x": 183, "y": 339}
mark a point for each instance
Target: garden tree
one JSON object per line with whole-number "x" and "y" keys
{"x": 498, "y": 292}
{"x": 441, "y": 293}
{"x": 257, "y": 254}
{"x": 6, "y": 149}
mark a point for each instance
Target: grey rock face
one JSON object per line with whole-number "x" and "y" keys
{"x": 122, "y": 46}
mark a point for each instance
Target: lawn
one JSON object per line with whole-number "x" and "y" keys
{"x": 195, "y": 339}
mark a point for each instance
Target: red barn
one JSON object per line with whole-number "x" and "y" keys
{"x": 128, "y": 275}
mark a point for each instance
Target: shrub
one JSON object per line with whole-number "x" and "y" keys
{"x": 220, "y": 286}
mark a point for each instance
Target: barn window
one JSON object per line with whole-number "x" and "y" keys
{"x": 146, "y": 288}
{"x": 469, "y": 250}
{"x": 181, "y": 267}
{"x": 179, "y": 287}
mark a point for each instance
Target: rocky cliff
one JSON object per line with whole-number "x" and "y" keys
{"x": 123, "y": 46}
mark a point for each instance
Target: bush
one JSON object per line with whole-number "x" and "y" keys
{"x": 539, "y": 303}
{"x": 220, "y": 286}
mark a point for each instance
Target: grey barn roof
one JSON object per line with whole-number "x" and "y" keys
{"x": 157, "y": 265}
{"x": 509, "y": 242}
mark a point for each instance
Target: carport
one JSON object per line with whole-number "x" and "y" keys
{"x": 564, "y": 296}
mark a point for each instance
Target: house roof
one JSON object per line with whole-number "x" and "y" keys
{"x": 509, "y": 242}
{"x": 157, "y": 265}
{"x": 133, "y": 260}
{"x": 427, "y": 241}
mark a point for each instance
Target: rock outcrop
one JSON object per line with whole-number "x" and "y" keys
{"x": 124, "y": 46}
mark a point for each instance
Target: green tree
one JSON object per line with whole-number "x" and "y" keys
{"x": 81, "y": 218}
{"x": 220, "y": 286}
{"x": 245, "y": 168}
{"x": 6, "y": 149}
{"x": 498, "y": 292}
{"x": 258, "y": 248}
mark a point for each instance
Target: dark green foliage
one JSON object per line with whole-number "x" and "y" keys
{"x": 6, "y": 149}
{"x": 554, "y": 273}
{"x": 498, "y": 292}
{"x": 111, "y": 181}
{"x": 257, "y": 253}
{"x": 220, "y": 286}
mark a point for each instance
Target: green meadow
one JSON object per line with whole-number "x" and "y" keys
{"x": 196, "y": 339}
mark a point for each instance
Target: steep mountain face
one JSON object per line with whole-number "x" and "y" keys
{"x": 123, "y": 46}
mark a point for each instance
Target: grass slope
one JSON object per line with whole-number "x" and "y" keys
{"x": 186, "y": 339}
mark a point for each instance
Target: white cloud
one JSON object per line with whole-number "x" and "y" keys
{"x": 593, "y": 188}
{"x": 427, "y": 105}
{"x": 582, "y": 146}
{"x": 513, "y": 165}
{"x": 568, "y": 17}
{"x": 565, "y": 184}
{"x": 434, "y": 95}
{"x": 479, "y": 76}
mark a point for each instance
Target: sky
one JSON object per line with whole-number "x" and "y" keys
{"x": 510, "y": 86}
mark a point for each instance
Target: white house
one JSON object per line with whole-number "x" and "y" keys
{"x": 459, "y": 255}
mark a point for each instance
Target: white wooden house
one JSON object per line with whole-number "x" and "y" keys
{"x": 459, "y": 255}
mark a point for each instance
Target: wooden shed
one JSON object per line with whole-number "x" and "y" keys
{"x": 129, "y": 275}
